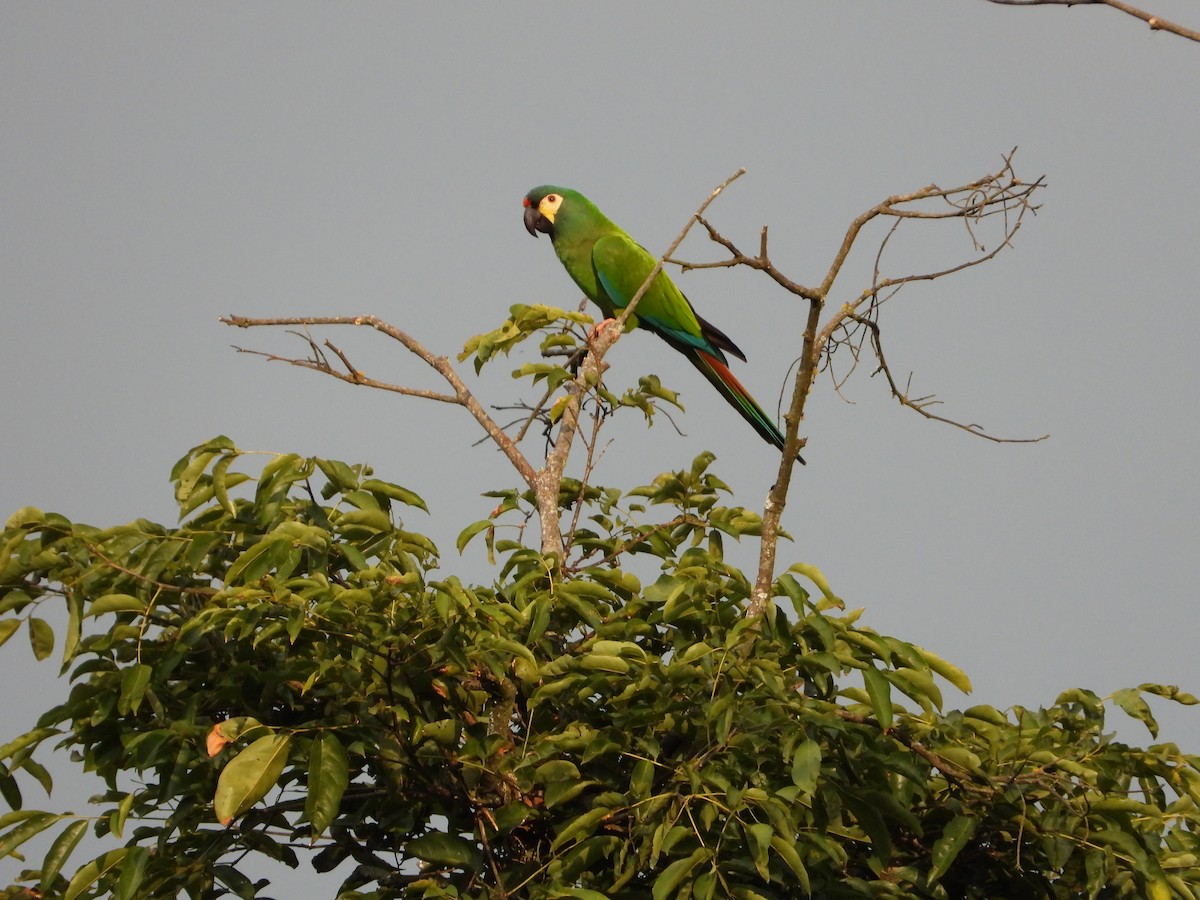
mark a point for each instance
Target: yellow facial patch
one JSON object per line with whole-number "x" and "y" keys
{"x": 549, "y": 206}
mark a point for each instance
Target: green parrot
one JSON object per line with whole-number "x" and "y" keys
{"x": 609, "y": 267}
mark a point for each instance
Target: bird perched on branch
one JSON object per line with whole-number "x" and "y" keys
{"x": 610, "y": 267}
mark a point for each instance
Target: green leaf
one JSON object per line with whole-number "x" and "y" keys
{"x": 787, "y": 852}
{"x": 1135, "y": 706}
{"x": 948, "y": 846}
{"x": 1170, "y": 692}
{"x": 248, "y": 776}
{"x": 39, "y": 773}
{"x": 372, "y": 521}
{"x": 642, "y": 780}
{"x": 259, "y": 559}
{"x": 556, "y": 770}
{"x": 27, "y": 739}
{"x": 220, "y": 481}
{"x": 758, "y": 837}
{"x": 7, "y": 628}
{"x": 10, "y": 790}
{"x": 116, "y": 819}
{"x": 41, "y": 637}
{"x": 328, "y": 776}
{"x": 603, "y": 663}
{"x": 133, "y": 870}
{"x": 951, "y": 673}
{"x": 58, "y": 853}
{"x": 74, "y": 626}
{"x": 239, "y": 885}
{"x": 187, "y": 478}
{"x": 581, "y": 826}
{"x": 14, "y": 601}
{"x": 880, "y": 692}
{"x": 115, "y": 603}
{"x": 464, "y": 536}
{"x": 445, "y": 850}
{"x": 93, "y": 871}
{"x": 806, "y": 766}
{"x": 918, "y": 685}
{"x": 394, "y": 492}
{"x": 33, "y": 824}
{"x": 961, "y": 756}
{"x": 134, "y": 681}
{"x": 340, "y": 476}
{"x": 1125, "y": 805}
{"x": 666, "y": 884}
{"x": 813, "y": 574}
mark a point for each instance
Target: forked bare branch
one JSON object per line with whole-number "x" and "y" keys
{"x": 999, "y": 195}
{"x": 318, "y": 362}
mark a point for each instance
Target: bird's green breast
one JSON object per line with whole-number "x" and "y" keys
{"x": 574, "y": 251}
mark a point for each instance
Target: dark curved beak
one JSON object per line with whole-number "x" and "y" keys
{"x": 531, "y": 220}
{"x": 535, "y": 222}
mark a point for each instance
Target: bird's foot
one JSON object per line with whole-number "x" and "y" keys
{"x": 599, "y": 328}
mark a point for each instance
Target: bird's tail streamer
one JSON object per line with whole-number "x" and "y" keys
{"x": 718, "y": 374}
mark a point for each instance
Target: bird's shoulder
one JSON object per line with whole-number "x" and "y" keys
{"x": 617, "y": 252}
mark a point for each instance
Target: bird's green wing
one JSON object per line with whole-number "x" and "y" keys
{"x": 622, "y": 266}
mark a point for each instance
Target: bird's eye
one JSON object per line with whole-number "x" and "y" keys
{"x": 552, "y": 198}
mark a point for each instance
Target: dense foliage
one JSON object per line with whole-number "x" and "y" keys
{"x": 288, "y": 674}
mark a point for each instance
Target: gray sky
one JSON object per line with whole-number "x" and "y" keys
{"x": 161, "y": 165}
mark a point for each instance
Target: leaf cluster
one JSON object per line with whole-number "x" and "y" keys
{"x": 286, "y": 674}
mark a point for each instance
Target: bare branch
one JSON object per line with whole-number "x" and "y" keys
{"x": 1156, "y": 23}
{"x": 999, "y": 194}
{"x": 440, "y": 364}
{"x": 922, "y": 404}
{"x": 761, "y": 262}
{"x": 352, "y": 377}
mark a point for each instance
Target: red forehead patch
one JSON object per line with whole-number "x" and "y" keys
{"x": 525, "y": 202}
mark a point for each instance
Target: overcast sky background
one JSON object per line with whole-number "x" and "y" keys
{"x": 162, "y": 165}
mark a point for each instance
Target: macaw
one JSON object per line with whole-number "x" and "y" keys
{"x": 609, "y": 267}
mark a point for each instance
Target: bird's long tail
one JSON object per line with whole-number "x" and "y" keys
{"x": 718, "y": 374}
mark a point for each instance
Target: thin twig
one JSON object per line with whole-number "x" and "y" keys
{"x": 922, "y": 404}
{"x": 1156, "y": 23}
{"x": 682, "y": 519}
{"x": 353, "y": 377}
{"x": 440, "y": 364}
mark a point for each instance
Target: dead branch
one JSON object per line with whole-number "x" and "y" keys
{"x": 922, "y": 404}
{"x": 1000, "y": 194}
{"x": 440, "y": 364}
{"x": 1156, "y": 23}
{"x": 997, "y": 195}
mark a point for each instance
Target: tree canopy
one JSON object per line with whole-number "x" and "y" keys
{"x": 288, "y": 673}
{"x": 285, "y": 674}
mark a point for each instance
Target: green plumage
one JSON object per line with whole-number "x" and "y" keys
{"x": 609, "y": 267}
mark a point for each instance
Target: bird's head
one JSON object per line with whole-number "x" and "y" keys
{"x": 541, "y": 208}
